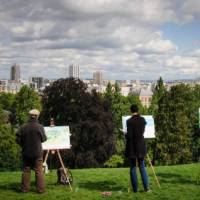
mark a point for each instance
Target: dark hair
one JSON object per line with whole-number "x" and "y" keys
{"x": 134, "y": 108}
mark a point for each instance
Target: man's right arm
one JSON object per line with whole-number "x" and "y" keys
{"x": 18, "y": 137}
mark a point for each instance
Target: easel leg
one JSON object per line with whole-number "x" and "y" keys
{"x": 153, "y": 171}
{"x": 129, "y": 186}
{"x": 63, "y": 166}
{"x": 46, "y": 156}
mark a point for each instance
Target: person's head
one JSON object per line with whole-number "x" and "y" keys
{"x": 52, "y": 122}
{"x": 134, "y": 108}
{"x": 34, "y": 113}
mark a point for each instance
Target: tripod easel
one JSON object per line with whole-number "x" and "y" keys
{"x": 62, "y": 164}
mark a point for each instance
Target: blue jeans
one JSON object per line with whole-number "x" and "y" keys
{"x": 133, "y": 173}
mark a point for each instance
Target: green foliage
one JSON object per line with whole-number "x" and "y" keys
{"x": 196, "y": 146}
{"x": 134, "y": 99}
{"x": 114, "y": 161}
{"x": 120, "y": 106}
{"x": 159, "y": 91}
{"x": 17, "y": 106}
{"x": 109, "y": 93}
{"x": 195, "y": 122}
{"x": 6, "y": 101}
{"x": 4, "y": 116}
{"x": 26, "y": 99}
{"x": 173, "y": 126}
{"x": 90, "y": 121}
{"x": 10, "y": 154}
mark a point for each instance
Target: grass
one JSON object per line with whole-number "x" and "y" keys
{"x": 177, "y": 183}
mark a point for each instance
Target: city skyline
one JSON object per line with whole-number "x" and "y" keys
{"x": 140, "y": 41}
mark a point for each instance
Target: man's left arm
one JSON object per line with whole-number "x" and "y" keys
{"x": 43, "y": 135}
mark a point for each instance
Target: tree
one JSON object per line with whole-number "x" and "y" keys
{"x": 173, "y": 127}
{"x": 119, "y": 106}
{"x": 194, "y": 117}
{"x": 158, "y": 94}
{"x": 10, "y": 154}
{"x": 7, "y": 100}
{"x": 108, "y": 95}
{"x": 26, "y": 99}
{"x": 91, "y": 123}
{"x": 159, "y": 91}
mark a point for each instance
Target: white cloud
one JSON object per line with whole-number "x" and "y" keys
{"x": 157, "y": 46}
{"x": 119, "y": 37}
{"x": 182, "y": 62}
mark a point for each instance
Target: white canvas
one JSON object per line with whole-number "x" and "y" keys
{"x": 58, "y": 137}
{"x": 149, "y": 128}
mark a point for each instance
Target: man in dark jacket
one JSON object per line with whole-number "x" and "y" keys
{"x": 136, "y": 148}
{"x": 30, "y": 137}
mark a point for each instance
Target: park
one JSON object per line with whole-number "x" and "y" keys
{"x": 97, "y": 163}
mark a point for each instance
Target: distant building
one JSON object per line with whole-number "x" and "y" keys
{"x": 10, "y": 86}
{"x": 74, "y": 71}
{"x": 33, "y": 86}
{"x": 3, "y": 85}
{"x": 122, "y": 83}
{"x": 13, "y": 86}
{"x": 124, "y": 90}
{"x": 37, "y": 82}
{"x": 97, "y": 87}
{"x": 98, "y": 78}
{"x": 15, "y": 73}
{"x": 145, "y": 96}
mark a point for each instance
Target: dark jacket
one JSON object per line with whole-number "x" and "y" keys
{"x": 30, "y": 137}
{"x": 135, "y": 143}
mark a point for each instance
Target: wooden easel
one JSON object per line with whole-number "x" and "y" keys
{"x": 148, "y": 158}
{"x": 157, "y": 181}
{"x": 61, "y": 162}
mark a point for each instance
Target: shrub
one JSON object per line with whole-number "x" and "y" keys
{"x": 114, "y": 161}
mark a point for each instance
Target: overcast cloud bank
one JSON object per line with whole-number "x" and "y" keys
{"x": 123, "y": 38}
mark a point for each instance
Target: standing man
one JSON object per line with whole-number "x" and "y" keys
{"x": 30, "y": 137}
{"x": 136, "y": 148}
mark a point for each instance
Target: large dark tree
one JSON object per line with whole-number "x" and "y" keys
{"x": 88, "y": 116}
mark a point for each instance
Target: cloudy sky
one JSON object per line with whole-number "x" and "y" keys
{"x": 125, "y": 39}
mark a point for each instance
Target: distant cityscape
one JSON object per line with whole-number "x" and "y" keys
{"x": 143, "y": 88}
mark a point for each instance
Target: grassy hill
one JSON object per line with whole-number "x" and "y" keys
{"x": 177, "y": 183}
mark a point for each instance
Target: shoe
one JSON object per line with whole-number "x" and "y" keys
{"x": 147, "y": 190}
{"x": 24, "y": 191}
{"x": 41, "y": 191}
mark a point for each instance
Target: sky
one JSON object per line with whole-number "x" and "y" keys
{"x": 125, "y": 39}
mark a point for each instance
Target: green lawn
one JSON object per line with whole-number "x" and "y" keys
{"x": 177, "y": 183}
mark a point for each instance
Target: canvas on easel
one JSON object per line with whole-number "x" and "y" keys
{"x": 58, "y": 137}
{"x": 149, "y": 128}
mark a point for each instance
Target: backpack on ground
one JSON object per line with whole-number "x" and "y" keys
{"x": 63, "y": 178}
